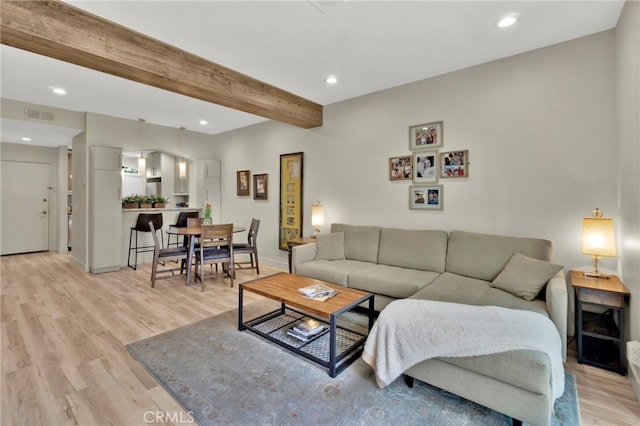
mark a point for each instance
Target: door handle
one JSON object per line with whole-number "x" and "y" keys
{"x": 44, "y": 212}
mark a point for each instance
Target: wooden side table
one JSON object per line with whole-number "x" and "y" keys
{"x": 297, "y": 242}
{"x": 600, "y": 338}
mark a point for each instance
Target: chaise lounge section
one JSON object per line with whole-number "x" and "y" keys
{"x": 457, "y": 267}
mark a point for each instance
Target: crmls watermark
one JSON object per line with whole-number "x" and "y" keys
{"x": 175, "y": 417}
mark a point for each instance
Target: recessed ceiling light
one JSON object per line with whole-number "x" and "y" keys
{"x": 58, "y": 91}
{"x": 331, "y": 79}
{"x": 507, "y": 21}
{"x": 26, "y": 139}
{"x": 204, "y": 122}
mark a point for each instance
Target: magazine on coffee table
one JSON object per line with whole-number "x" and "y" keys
{"x": 318, "y": 292}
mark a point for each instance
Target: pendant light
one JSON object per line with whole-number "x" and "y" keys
{"x": 142, "y": 163}
{"x": 182, "y": 165}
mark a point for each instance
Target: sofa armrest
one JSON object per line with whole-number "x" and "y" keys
{"x": 302, "y": 253}
{"x": 557, "y": 305}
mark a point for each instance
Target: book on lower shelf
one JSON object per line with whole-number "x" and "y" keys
{"x": 306, "y": 329}
{"x": 318, "y": 292}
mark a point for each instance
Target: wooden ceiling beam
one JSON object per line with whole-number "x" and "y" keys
{"x": 61, "y": 31}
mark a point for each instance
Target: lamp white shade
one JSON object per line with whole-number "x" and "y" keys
{"x": 182, "y": 170}
{"x": 142, "y": 165}
{"x": 598, "y": 237}
{"x": 317, "y": 215}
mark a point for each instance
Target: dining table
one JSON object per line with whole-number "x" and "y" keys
{"x": 193, "y": 232}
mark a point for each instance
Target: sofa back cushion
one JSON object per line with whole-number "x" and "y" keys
{"x": 421, "y": 249}
{"x": 483, "y": 256}
{"x": 360, "y": 242}
{"x": 330, "y": 246}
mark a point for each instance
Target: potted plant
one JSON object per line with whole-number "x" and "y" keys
{"x": 146, "y": 201}
{"x": 160, "y": 202}
{"x": 130, "y": 202}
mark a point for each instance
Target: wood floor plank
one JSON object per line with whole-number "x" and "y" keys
{"x": 64, "y": 334}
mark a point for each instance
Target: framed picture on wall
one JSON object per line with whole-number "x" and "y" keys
{"x": 260, "y": 186}
{"x": 400, "y": 168}
{"x": 454, "y": 164}
{"x": 428, "y": 135}
{"x": 242, "y": 182}
{"x": 425, "y": 166}
{"x": 425, "y": 197}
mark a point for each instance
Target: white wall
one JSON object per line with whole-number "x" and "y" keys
{"x": 539, "y": 126}
{"x": 126, "y": 134}
{"x": 628, "y": 111}
{"x": 80, "y": 201}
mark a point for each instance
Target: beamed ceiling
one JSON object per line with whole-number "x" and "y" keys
{"x": 237, "y": 63}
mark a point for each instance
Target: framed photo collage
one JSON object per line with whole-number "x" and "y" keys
{"x": 427, "y": 165}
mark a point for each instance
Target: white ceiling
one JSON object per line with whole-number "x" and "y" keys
{"x": 294, "y": 45}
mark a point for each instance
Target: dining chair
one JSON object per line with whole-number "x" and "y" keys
{"x": 249, "y": 248}
{"x": 181, "y": 222}
{"x": 161, "y": 254}
{"x": 216, "y": 246}
{"x": 142, "y": 225}
{"x": 195, "y": 221}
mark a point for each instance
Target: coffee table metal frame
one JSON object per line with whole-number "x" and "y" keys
{"x": 274, "y": 325}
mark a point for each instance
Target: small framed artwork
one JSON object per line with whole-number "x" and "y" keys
{"x": 454, "y": 164}
{"x": 400, "y": 168}
{"x": 242, "y": 181}
{"x": 425, "y": 166}
{"x": 260, "y": 187}
{"x": 425, "y": 197}
{"x": 428, "y": 135}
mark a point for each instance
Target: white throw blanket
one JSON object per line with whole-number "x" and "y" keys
{"x": 410, "y": 331}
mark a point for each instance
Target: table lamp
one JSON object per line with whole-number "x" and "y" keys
{"x": 317, "y": 217}
{"x": 598, "y": 240}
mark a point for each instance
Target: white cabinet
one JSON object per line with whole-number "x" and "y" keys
{"x": 208, "y": 187}
{"x": 153, "y": 164}
{"x": 105, "y": 208}
{"x": 211, "y": 168}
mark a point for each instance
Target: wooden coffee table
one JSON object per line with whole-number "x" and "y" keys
{"x": 335, "y": 348}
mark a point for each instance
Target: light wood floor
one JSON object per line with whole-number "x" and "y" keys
{"x": 63, "y": 337}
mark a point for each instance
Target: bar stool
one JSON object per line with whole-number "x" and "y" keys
{"x": 181, "y": 222}
{"x": 142, "y": 225}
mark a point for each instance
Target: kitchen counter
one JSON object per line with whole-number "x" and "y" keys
{"x": 129, "y": 218}
{"x": 165, "y": 209}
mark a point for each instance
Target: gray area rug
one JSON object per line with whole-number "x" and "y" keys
{"x": 226, "y": 377}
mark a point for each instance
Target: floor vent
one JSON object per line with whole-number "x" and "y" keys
{"x": 38, "y": 115}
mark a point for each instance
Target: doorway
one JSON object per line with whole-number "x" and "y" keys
{"x": 25, "y": 207}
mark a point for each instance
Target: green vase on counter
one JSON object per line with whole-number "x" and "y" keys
{"x": 207, "y": 214}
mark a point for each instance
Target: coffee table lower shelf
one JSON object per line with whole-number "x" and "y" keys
{"x": 274, "y": 326}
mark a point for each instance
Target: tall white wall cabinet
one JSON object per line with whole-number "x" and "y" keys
{"x": 105, "y": 208}
{"x": 208, "y": 187}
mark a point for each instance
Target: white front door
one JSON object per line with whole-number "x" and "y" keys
{"x": 25, "y": 207}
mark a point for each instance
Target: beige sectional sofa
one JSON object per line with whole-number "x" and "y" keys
{"x": 459, "y": 267}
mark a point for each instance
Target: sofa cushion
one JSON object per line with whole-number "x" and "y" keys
{"x": 332, "y": 271}
{"x": 390, "y": 280}
{"x": 360, "y": 242}
{"x": 483, "y": 256}
{"x": 330, "y": 246}
{"x": 526, "y": 369}
{"x": 454, "y": 288}
{"x": 525, "y": 277}
{"x": 425, "y": 250}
